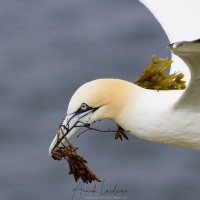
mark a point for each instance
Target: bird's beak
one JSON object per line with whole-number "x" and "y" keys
{"x": 70, "y": 125}
{"x": 68, "y": 128}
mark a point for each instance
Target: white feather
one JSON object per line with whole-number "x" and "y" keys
{"x": 181, "y": 21}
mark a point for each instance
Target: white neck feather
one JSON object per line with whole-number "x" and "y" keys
{"x": 155, "y": 118}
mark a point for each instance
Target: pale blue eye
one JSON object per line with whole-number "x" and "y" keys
{"x": 84, "y": 106}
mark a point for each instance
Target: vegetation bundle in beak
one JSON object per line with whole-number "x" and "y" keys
{"x": 77, "y": 164}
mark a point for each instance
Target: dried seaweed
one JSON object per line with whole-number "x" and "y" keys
{"x": 153, "y": 76}
{"x": 77, "y": 164}
{"x": 121, "y": 133}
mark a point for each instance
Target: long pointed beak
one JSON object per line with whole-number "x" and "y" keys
{"x": 68, "y": 129}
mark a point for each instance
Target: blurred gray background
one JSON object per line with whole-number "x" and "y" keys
{"x": 47, "y": 50}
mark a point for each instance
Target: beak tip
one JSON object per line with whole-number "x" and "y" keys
{"x": 52, "y": 146}
{"x": 70, "y": 121}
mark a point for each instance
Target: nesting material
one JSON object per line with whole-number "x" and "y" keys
{"x": 120, "y": 134}
{"x": 154, "y": 78}
{"x": 77, "y": 164}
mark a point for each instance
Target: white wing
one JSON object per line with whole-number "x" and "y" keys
{"x": 181, "y": 21}
{"x": 189, "y": 52}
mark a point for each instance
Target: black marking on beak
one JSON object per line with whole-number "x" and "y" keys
{"x": 78, "y": 112}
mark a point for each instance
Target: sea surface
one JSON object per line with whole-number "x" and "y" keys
{"x": 47, "y": 50}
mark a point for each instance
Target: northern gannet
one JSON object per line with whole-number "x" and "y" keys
{"x": 170, "y": 117}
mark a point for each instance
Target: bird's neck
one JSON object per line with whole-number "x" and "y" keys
{"x": 154, "y": 117}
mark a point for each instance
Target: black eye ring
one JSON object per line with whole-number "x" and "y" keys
{"x": 84, "y": 106}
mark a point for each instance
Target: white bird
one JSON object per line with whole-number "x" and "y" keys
{"x": 170, "y": 117}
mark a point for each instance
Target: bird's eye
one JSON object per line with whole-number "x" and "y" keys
{"x": 84, "y": 106}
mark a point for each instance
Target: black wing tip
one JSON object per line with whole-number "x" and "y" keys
{"x": 178, "y": 44}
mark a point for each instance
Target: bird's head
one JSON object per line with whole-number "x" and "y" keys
{"x": 93, "y": 101}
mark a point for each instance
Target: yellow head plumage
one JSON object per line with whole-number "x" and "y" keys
{"x": 109, "y": 95}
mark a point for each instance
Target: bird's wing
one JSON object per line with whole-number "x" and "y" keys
{"x": 181, "y": 21}
{"x": 189, "y": 52}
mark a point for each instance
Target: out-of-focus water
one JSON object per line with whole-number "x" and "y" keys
{"x": 47, "y": 50}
